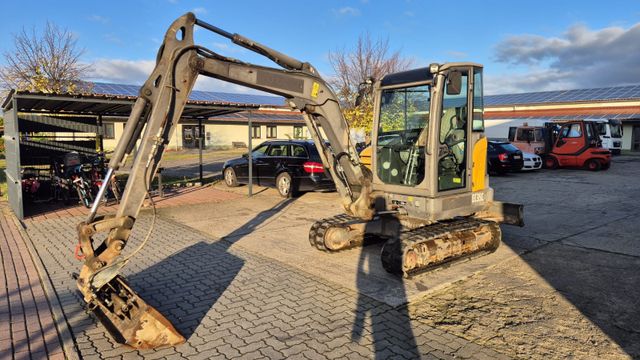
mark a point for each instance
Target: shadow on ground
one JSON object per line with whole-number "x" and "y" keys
{"x": 187, "y": 284}
{"x": 581, "y": 238}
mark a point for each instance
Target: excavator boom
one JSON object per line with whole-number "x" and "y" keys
{"x": 150, "y": 125}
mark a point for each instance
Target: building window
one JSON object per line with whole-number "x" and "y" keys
{"x": 298, "y": 132}
{"x": 108, "y": 130}
{"x": 255, "y": 132}
{"x": 272, "y": 132}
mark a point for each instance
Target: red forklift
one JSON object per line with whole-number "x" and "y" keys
{"x": 572, "y": 143}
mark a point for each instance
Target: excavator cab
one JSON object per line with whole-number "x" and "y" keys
{"x": 429, "y": 140}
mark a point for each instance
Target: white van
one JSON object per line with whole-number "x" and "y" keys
{"x": 610, "y": 132}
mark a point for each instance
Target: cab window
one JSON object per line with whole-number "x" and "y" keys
{"x": 478, "y": 101}
{"x": 525, "y": 135}
{"x": 402, "y": 135}
{"x": 452, "y": 152}
{"x": 571, "y": 131}
{"x": 539, "y": 135}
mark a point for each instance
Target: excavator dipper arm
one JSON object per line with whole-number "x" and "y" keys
{"x": 152, "y": 121}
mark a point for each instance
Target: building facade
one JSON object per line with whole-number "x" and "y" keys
{"x": 225, "y": 131}
{"x": 618, "y": 103}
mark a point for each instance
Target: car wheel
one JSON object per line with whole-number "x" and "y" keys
{"x": 551, "y": 163}
{"x": 230, "y": 177}
{"x": 284, "y": 185}
{"x": 593, "y": 165}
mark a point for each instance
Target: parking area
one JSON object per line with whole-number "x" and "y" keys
{"x": 239, "y": 279}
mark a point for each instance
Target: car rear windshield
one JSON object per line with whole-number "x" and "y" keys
{"x": 508, "y": 147}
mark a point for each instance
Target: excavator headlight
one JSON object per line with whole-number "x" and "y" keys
{"x": 433, "y": 68}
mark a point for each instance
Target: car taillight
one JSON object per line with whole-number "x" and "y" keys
{"x": 503, "y": 156}
{"x": 313, "y": 167}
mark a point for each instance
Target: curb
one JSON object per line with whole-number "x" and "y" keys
{"x": 71, "y": 352}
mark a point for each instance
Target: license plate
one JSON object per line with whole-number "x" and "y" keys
{"x": 516, "y": 157}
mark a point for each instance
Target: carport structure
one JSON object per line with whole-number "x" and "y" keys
{"x": 42, "y": 126}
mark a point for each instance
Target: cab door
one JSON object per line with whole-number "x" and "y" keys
{"x": 570, "y": 143}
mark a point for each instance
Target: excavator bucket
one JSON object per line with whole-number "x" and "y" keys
{"x": 128, "y": 318}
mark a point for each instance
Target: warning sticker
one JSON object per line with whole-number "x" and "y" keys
{"x": 314, "y": 90}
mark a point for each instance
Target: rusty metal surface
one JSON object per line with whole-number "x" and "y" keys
{"x": 336, "y": 233}
{"x": 433, "y": 245}
{"x": 503, "y": 213}
{"x": 129, "y": 319}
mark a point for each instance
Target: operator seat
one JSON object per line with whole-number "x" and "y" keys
{"x": 456, "y": 139}
{"x": 446, "y": 123}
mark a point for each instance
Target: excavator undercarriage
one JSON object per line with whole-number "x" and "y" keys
{"x": 410, "y": 247}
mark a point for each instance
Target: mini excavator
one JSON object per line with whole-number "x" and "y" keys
{"x": 426, "y": 193}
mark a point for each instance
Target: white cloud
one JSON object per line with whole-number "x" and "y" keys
{"x": 346, "y": 11}
{"x": 122, "y": 71}
{"x": 113, "y": 38}
{"x": 221, "y": 46}
{"x": 98, "y": 18}
{"x": 579, "y": 58}
{"x": 536, "y": 80}
{"x": 200, "y": 11}
{"x": 211, "y": 84}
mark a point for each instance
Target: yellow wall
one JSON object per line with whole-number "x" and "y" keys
{"x": 221, "y": 135}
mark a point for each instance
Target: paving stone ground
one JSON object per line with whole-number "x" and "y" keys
{"x": 232, "y": 304}
{"x": 27, "y": 327}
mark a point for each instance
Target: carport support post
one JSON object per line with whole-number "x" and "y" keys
{"x": 101, "y": 136}
{"x": 250, "y": 157}
{"x": 200, "y": 148}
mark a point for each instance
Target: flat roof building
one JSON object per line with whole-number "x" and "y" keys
{"x": 619, "y": 103}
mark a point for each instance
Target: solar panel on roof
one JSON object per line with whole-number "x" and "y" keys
{"x": 196, "y": 95}
{"x": 606, "y": 93}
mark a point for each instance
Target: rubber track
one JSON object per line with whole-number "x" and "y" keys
{"x": 392, "y": 251}
{"x": 320, "y": 227}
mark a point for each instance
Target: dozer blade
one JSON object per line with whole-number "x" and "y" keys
{"x": 128, "y": 318}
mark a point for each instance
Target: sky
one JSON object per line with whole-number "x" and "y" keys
{"x": 524, "y": 45}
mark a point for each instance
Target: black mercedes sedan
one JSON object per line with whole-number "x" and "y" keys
{"x": 291, "y": 166}
{"x": 503, "y": 157}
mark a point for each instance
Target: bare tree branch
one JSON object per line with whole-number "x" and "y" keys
{"x": 47, "y": 62}
{"x": 369, "y": 59}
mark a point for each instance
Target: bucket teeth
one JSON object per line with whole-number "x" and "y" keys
{"x": 129, "y": 319}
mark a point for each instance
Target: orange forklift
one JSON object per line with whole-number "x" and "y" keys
{"x": 572, "y": 143}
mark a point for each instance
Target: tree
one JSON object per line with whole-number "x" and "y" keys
{"x": 47, "y": 62}
{"x": 368, "y": 60}
{"x": 2, "y": 140}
